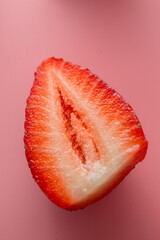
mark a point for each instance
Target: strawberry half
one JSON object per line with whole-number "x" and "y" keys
{"x": 81, "y": 137}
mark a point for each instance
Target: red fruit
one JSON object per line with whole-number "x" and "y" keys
{"x": 81, "y": 137}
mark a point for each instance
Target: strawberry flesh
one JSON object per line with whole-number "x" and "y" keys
{"x": 81, "y": 137}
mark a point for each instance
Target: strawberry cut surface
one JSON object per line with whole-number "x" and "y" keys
{"x": 81, "y": 137}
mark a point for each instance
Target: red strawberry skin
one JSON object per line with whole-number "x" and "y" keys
{"x": 73, "y": 121}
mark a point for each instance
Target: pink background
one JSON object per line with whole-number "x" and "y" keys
{"x": 120, "y": 41}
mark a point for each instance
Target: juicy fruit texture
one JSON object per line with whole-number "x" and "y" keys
{"x": 81, "y": 137}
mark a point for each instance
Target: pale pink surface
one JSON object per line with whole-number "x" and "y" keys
{"x": 119, "y": 41}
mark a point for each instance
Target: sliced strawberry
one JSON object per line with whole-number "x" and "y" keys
{"x": 81, "y": 137}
